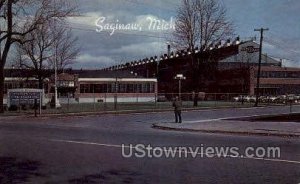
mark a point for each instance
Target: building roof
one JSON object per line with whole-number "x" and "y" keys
{"x": 26, "y": 73}
{"x": 105, "y": 74}
{"x": 219, "y": 51}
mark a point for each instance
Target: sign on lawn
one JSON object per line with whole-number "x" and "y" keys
{"x": 24, "y": 96}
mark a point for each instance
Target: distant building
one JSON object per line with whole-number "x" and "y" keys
{"x": 87, "y": 86}
{"x": 223, "y": 68}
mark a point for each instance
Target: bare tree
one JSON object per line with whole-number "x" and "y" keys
{"x": 213, "y": 23}
{"x": 34, "y": 54}
{"x": 18, "y": 18}
{"x": 201, "y": 22}
{"x": 186, "y": 33}
{"x": 64, "y": 49}
{"x": 50, "y": 42}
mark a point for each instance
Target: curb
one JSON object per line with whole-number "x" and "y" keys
{"x": 74, "y": 114}
{"x": 155, "y": 126}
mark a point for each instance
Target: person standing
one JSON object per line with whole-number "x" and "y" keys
{"x": 177, "y": 109}
{"x": 195, "y": 99}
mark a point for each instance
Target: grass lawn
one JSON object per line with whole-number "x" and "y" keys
{"x": 141, "y": 106}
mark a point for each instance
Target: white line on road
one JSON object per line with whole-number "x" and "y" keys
{"x": 132, "y": 147}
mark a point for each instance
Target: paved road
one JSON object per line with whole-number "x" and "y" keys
{"x": 88, "y": 150}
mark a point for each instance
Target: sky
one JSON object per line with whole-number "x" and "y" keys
{"x": 101, "y": 47}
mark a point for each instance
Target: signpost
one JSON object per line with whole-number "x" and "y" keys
{"x": 179, "y": 77}
{"x": 19, "y": 97}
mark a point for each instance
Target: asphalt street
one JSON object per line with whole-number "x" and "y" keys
{"x": 88, "y": 149}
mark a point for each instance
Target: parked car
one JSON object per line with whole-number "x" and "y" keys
{"x": 162, "y": 98}
{"x": 239, "y": 98}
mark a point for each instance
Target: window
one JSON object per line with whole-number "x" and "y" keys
{"x": 98, "y": 88}
{"x": 66, "y": 83}
{"x": 130, "y": 88}
{"x": 121, "y": 88}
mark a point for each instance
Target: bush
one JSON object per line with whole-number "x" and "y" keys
{"x": 13, "y": 108}
{"x": 24, "y": 107}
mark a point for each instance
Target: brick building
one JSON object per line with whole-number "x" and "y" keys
{"x": 224, "y": 68}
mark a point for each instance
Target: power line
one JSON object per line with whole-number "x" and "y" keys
{"x": 124, "y": 33}
{"x": 162, "y": 32}
{"x": 279, "y": 45}
{"x": 131, "y": 34}
{"x": 147, "y": 4}
{"x": 280, "y": 57}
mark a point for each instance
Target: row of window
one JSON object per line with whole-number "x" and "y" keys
{"x": 281, "y": 86}
{"x": 92, "y": 88}
{"x": 279, "y": 74}
{"x": 120, "y": 88}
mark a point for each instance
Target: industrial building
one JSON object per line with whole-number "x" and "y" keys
{"x": 229, "y": 67}
{"x": 226, "y": 68}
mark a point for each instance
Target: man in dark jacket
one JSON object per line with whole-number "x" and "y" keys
{"x": 177, "y": 109}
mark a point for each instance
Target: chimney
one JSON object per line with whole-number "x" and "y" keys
{"x": 228, "y": 43}
{"x": 237, "y": 40}
{"x": 169, "y": 50}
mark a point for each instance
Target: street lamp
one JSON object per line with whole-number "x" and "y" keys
{"x": 116, "y": 94}
{"x": 179, "y": 77}
{"x": 57, "y": 104}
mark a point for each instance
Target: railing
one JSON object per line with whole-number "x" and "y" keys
{"x": 140, "y": 102}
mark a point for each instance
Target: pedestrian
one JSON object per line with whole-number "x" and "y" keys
{"x": 195, "y": 99}
{"x": 177, "y": 109}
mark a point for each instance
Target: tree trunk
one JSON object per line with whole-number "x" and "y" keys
{"x": 40, "y": 80}
{"x": 2, "y": 90}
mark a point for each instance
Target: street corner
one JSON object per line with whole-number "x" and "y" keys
{"x": 234, "y": 127}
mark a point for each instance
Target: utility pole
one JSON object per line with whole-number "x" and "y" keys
{"x": 261, "y": 30}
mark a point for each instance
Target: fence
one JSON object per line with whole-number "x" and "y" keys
{"x": 155, "y": 102}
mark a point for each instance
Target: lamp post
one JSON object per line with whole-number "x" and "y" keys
{"x": 116, "y": 94}
{"x": 179, "y": 77}
{"x": 57, "y": 104}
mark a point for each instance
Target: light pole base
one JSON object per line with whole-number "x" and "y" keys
{"x": 57, "y": 104}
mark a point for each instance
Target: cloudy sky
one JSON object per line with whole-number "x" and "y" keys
{"x": 103, "y": 47}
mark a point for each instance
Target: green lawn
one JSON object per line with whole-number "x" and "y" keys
{"x": 147, "y": 106}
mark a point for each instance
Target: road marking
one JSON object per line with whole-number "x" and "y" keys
{"x": 202, "y": 154}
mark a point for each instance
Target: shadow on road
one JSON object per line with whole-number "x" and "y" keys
{"x": 13, "y": 170}
{"x": 115, "y": 176}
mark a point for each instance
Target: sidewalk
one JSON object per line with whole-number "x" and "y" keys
{"x": 283, "y": 129}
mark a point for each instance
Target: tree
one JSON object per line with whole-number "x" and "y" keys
{"x": 50, "y": 42}
{"x": 64, "y": 49}
{"x": 201, "y": 22}
{"x": 186, "y": 32}
{"x": 18, "y": 18}
{"x": 34, "y": 54}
